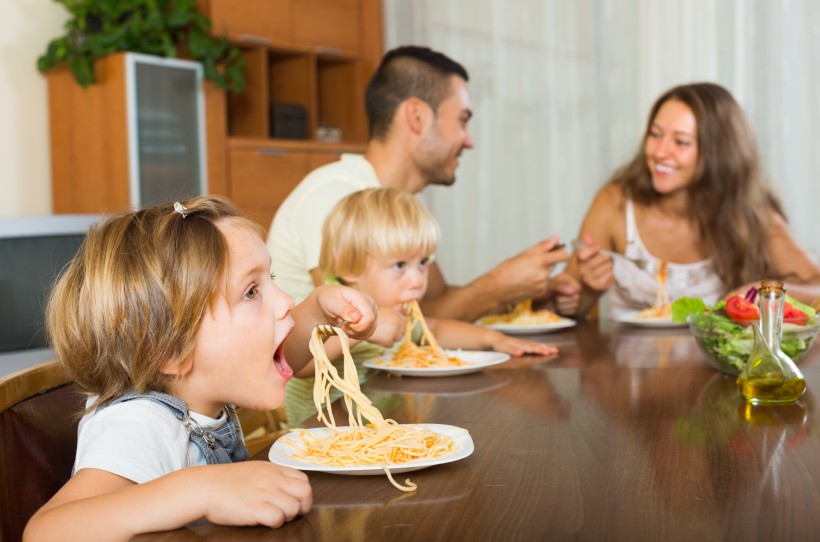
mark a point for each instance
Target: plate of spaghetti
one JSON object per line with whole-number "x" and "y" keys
{"x": 466, "y": 361}
{"x": 369, "y": 444}
{"x": 521, "y": 319}
{"x": 659, "y": 314}
{"x": 427, "y": 358}
{"x": 635, "y": 318}
{"x": 289, "y": 450}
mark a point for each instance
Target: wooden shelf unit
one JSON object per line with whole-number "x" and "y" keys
{"x": 318, "y": 54}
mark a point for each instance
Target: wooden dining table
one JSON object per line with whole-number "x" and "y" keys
{"x": 628, "y": 434}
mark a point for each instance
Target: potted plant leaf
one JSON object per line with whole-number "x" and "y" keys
{"x": 168, "y": 28}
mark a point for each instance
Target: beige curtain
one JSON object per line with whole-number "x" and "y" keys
{"x": 561, "y": 88}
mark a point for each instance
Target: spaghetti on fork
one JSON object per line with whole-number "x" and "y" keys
{"x": 662, "y": 307}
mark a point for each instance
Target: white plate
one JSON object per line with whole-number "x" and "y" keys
{"x": 281, "y": 453}
{"x": 513, "y": 329}
{"x": 475, "y": 360}
{"x": 632, "y": 318}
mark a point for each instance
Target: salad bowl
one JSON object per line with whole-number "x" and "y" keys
{"x": 727, "y": 344}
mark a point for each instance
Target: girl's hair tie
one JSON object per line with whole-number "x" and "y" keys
{"x": 181, "y": 209}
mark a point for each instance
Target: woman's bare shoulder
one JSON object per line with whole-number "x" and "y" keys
{"x": 610, "y": 200}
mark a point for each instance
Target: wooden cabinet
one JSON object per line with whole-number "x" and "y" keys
{"x": 315, "y": 56}
{"x": 262, "y": 174}
{"x": 134, "y": 138}
{"x": 310, "y": 56}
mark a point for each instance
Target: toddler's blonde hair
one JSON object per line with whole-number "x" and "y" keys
{"x": 378, "y": 223}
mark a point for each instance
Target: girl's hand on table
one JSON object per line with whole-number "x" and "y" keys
{"x": 255, "y": 493}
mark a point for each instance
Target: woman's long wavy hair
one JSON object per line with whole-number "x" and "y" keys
{"x": 729, "y": 198}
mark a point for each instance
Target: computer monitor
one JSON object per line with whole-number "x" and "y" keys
{"x": 33, "y": 251}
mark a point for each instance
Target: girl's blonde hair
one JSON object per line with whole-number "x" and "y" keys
{"x": 379, "y": 223}
{"x": 134, "y": 296}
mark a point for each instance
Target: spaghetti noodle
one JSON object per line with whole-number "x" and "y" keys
{"x": 425, "y": 355}
{"x": 521, "y": 315}
{"x": 662, "y": 307}
{"x": 380, "y": 442}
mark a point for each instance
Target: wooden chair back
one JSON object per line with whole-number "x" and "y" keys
{"x": 261, "y": 427}
{"x": 39, "y": 413}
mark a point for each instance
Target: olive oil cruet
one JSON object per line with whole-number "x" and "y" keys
{"x": 770, "y": 376}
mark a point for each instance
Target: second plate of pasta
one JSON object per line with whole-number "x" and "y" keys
{"x": 526, "y": 329}
{"x": 473, "y": 360}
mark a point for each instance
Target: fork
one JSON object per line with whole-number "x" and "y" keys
{"x": 326, "y": 330}
{"x": 647, "y": 265}
{"x": 329, "y": 330}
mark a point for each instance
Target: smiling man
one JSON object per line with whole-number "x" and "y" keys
{"x": 418, "y": 109}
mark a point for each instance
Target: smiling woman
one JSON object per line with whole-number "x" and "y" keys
{"x": 694, "y": 196}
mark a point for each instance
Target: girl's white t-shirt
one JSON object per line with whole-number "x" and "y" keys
{"x": 138, "y": 439}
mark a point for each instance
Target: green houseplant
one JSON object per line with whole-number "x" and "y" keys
{"x": 167, "y": 28}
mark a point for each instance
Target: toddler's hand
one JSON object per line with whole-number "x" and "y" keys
{"x": 255, "y": 493}
{"x": 390, "y": 324}
{"x": 519, "y": 347}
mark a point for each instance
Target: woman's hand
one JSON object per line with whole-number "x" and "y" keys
{"x": 594, "y": 267}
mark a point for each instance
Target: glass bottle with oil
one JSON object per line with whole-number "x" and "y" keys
{"x": 770, "y": 376}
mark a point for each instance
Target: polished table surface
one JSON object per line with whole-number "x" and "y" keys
{"x": 629, "y": 434}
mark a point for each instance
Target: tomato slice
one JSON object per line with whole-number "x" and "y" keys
{"x": 741, "y": 310}
{"x": 793, "y": 315}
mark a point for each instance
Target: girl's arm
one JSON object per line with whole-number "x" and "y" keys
{"x": 328, "y": 304}
{"x": 99, "y": 505}
{"x": 455, "y": 334}
{"x": 389, "y": 330}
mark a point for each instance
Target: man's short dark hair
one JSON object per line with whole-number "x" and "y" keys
{"x": 407, "y": 72}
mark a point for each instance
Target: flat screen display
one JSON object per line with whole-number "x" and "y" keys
{"x": 33, "y": 251}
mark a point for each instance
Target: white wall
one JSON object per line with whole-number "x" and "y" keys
{"x": 561, "y": 89}
{"x": 26, "y": 27}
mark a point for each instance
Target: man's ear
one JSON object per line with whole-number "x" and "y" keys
{"x": 415, "y": 113}
{"x": 177, "y": 367}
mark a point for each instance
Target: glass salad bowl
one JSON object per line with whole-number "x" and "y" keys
{"x": 727, "y": 345}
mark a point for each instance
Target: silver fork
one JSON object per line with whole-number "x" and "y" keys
{"x": 328, "y": 330}
{"x": 647, "y": 265}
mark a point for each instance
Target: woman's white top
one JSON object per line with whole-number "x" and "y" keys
{"x": 635, "y": 289}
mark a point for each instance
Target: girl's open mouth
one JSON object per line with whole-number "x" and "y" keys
{"x": 281, "y": 363}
